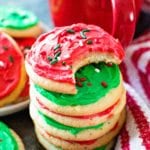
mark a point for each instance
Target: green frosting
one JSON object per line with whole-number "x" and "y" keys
{"x": 95, "y": 74}
{"x": 72, "y": 130}
{"x": 16, "y": 18}
{"x": 101, "y": 148}
{"x": 7, "y": 141}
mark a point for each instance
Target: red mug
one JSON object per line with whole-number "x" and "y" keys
{"x": 118, "y": 17}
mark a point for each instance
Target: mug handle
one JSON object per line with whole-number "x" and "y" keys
{"x": 123, "y": 27}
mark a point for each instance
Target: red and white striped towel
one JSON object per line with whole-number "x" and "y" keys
{"x": 135, "y": 135}
{"x": 136, "y": 66}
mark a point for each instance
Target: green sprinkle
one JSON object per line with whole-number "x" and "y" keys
{"x": 82, "y": 33}
{"x": 54, "y": 61}
{"x": 71, "y": 31}
{"x": 89, "y": 42}
{"x": 57, "y": 54}
{"x": 56, "y": 47}
{"x": 49, "y": 58}
{"x": 11, "y": 59}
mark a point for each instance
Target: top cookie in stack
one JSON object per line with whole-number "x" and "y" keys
{"x": 77, "y": 92}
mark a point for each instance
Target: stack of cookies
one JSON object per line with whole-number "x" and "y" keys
{"x": 77, "y": 93}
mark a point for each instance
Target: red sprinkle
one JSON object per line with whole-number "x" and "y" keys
{"x": 104, "y": 84}
{"x": 82, "y": 79}
{"x": 79, "y": 84}
{"x": 109, "y": 64}
{"x": 89, "y": 84}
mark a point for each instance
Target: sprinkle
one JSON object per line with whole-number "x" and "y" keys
{"x": 97, "y": 70}
{"x": 11, "y": 59}
{"x": 71, "y": 31}
{"x": 54, "y": 61}
{"x": 109, "y": 64}
{"x": 89, "y": 42}
{"x": 82, "y": 79}
{"x": 104, "y": 84}
{"x": 77, "y": 79}
{"x": 64, "y": 63}
{"x": 57, "y": 54}
{"x": 49, "y": 58}
{"x": 56, "y": 47}
{"x": 82, "y": 33}
{"x": 89, "y": 84}
{"x": 5, "y": 48}
{"x": 79, "y": 84}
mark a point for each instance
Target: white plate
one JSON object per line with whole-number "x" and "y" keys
{"x": 10, "y": 109}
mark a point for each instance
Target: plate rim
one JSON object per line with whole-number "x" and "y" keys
{"x": 13, "y": 108}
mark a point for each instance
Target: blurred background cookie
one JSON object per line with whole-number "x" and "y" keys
{"x": 9, "y": 140}
{"x": 18, "y": 22}
{"x": 13, "y": 76}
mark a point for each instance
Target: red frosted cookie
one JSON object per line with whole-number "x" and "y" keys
{"x": 12, "y": 71}
{"x": 58, "y": 54}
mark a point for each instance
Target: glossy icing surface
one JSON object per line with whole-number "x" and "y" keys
{"x": 7, "y": 141}
{"x": 94, "y": 81}
{"x": 10, "y": 66}
{"x": 54, "y": 53}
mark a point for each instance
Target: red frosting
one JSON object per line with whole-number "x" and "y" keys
{"x": 89, "y": 142}
{"x": 25, "y": 91}
{"x": 25, "y": 45}
{"x": 10, "y": 66}
{"x": 100, "y": 114}
{"x": 68, "y": 45}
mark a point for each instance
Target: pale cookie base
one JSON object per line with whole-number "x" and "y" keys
{"x": 23, "y": 77}
{"x": 43, "y": 136}
{"x": 77, "y": 122}
{"x": 81, "y": 136}
{"x": 62, "y": 87}
{"x": 33, "y": 31}
{"x": 48, "y": 146}
{"x": 105, "y": 102}
{"x": 18, "y": 140}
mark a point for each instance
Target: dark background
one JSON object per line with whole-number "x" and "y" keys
{"x": 21, "y": 121}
